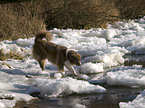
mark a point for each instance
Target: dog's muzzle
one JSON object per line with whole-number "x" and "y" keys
{"x": 79, "y": 63}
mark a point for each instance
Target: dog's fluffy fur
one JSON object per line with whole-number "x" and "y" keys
{"x": 56, "y": 54}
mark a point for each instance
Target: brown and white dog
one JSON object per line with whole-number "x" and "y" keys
{"x": 57, "y": 54}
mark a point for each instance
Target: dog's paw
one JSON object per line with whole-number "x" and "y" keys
{"x": 76, "y": 74}
{"x": 63, "y": 74}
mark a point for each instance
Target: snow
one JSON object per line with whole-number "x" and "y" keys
{"x": 100, "y": 49}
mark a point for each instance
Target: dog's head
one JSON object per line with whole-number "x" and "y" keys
{"x": 74, "y": 57}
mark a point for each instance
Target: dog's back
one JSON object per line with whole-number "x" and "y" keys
{"x": 54, "y": 51}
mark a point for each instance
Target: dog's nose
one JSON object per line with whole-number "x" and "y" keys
{"x": 79, "y": 63}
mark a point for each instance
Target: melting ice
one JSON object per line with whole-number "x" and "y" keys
{"x": 99, "y": 48}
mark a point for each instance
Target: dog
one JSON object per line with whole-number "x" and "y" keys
{"x": 56, "y": 54}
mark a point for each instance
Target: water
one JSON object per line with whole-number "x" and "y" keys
{"x": 111, "y": 99}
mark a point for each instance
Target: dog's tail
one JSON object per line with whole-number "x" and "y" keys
{"x": 43, "y": 34}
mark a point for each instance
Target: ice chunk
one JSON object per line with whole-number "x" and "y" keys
{"x": 66, "y": 86}
{"x": 138, "y": 102}
{"x": 3, "y": 47}
{"x": 136, "y": 28}
{"x": 109, "y": 33}
{"x": 84, "y": 76}
{"x": 57, "y": 32}
{"x": 56, "y": 75}
{"x": 2, "y": 105}
{"x": 126, "y": 76}
{"x": 9, "y": 100}
{"x": 25, "y": 42}
{"x": 5, "y": 103}
{"x": 9, "y": 47}
{"x": 106, "y": 33}
{"x": 79, "y": 106}
{"x": 94, "y": 33}
{"x": 91, "y": 68}
{"x": 112, "y": 58}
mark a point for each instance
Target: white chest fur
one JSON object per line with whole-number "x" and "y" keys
{"x": 67, "y": 63}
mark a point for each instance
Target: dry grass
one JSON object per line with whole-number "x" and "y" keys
{"x": 2, "y": 55}
{"x": 79, "y": 14}
{"x": 24, "y": 19}
{"x": 7, "y": 66}
{"x": 10, "y": 55}
{"x": 16, "y": 22}
{"x": 130, "y": 9}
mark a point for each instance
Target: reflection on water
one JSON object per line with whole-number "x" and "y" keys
{"x": 135, "y": 60}
{"x": 110, "y": 99}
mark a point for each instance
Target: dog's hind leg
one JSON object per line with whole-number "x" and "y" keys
{"x": 42, "y": 64}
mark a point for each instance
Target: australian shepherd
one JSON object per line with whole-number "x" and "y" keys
{"x": 56, "y": 54}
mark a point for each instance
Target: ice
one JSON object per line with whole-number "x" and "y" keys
{"x": 2, "y": 105}
{"x": 127, "y": 25}
{"x": 98, "y": 79}
{"x": 57, "y": 75}
{"x": 10, "y": 95}
{"x": 109, "y": 57}
{"x": 79, "y": 106}
{"x": 66, "y": 86}
{"x": 138, "y": 102}
{"x": 106, "y": 33}
{"x": 12, "y": 87}
{"x": 100, "y": 49}
{"x": 92, "y": 68}
{"x": 126, "y": 76}
{"x": 9, "y": 47}
{"x": 109, "y": 33}
{"x": 84, "y": 76}
{"x": 24, "y": 42}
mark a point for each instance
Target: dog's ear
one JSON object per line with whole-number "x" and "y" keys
{"x": 74, "y": 57}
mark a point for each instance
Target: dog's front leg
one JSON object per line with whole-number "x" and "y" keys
{"x": 61, "y": 69}
{"x": 70, "y": 68}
